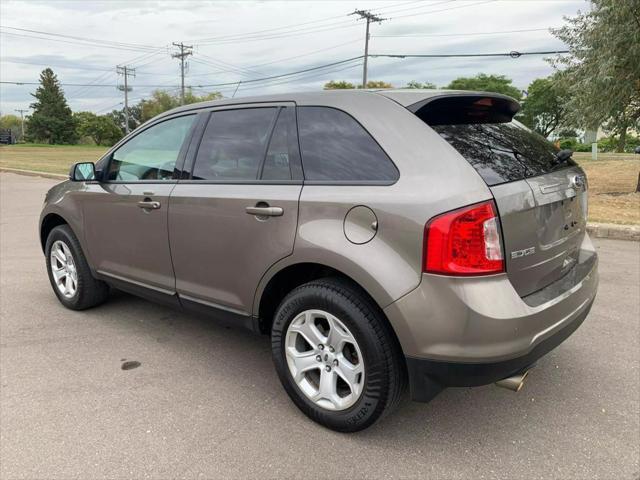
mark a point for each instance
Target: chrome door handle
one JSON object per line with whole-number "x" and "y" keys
{"x": 149, "y": 205}
{"x": 265, "y": 211}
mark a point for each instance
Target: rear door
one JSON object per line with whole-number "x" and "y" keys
{"x": 235, "y": 214}
{"x": 542, "y": 202}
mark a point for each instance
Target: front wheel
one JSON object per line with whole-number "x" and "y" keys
{"x": 336, "y": 355}
{"x": 69, "y": 272}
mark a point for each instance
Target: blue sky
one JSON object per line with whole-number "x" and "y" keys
{"x": 245, "y": 40}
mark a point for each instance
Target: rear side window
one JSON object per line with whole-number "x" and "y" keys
{"x": 234, "y": 144}
{"x": 335, "y": 147}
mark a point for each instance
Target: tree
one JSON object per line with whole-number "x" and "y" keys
{"x": 602, "y": 69}
{"x": 161, "y": 101}
{"x": 338, "y": 85}
{"x": 414, "y": 84}
{"x": 544, "y": 108}
{"x": 378, "y": 84}
{"x": 344, "y": 85}
{"x": 13, "y": 123}
{"x": 135, "y": 118}
{"x": 51, "y": 120}
{"x": 101, "y": 128}
{"x": 486, "y": 83}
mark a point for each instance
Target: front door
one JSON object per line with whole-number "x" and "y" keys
{"x": 125, "y": 215}
{"x": 237, "y": 213}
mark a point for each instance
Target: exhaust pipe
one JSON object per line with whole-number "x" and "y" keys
{"x": 514, "y": 383}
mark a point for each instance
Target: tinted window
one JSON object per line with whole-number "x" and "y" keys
{"x": 234, "y": 144}
{"x": 277, "y": 164}
{"x": 336, "y": 147}
{"x": 152, "y": 154}
{"x": 502, "y": 152}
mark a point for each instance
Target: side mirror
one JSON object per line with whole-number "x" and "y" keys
{"x": 82, "y": 172}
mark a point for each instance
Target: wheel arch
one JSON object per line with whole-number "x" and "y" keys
{"x": 273, "y": 290}
{"x": 48, "y": 223}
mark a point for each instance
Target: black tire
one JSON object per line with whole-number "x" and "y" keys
{"x": 90, "y": 292}
{"x": 385, "y": 371}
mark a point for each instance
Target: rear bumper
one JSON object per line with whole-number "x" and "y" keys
{"x": 428, "y": 377}
{"x": 473, "y": 331}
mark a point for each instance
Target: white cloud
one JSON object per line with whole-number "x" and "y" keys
{"x": 321, "y": 24}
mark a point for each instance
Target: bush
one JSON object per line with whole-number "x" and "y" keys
{"x": 568, "y": 143}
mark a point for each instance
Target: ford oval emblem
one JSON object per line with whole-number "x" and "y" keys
{"x": 578, "y": 181}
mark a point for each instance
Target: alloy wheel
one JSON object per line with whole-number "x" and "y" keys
{"x": 63, "y": 269}
{"x": 324, "y": 360}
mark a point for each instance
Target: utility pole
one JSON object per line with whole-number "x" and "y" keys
{"x": 22, "y": 112}
{"x": 126, "y": 72}
{"x": 185, "y": 51}
{"x": 369, "y": 17}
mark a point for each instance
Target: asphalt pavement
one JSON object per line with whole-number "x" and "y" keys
{"x": 205, "y": 402}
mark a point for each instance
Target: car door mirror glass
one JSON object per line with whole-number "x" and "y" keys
{"x": 82, "y": 172}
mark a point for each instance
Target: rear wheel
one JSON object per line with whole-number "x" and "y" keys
{"x": 69, "y": 271}
{"x": 336, "y": 356}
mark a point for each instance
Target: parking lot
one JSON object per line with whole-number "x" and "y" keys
{"x": 206, "y": 402}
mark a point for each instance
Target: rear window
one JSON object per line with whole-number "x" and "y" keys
{"x": 500, "y": 149}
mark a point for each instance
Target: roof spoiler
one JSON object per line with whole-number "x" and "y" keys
{"x": 465, "y": 108}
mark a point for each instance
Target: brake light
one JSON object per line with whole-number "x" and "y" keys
{"x": 464, "y": 242}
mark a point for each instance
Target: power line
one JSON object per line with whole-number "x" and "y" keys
{"x": 57, "y": 65}
{"x": 285, "y": 74}
{"x": 84, "y": 39}
{"x": 74, "y": 93}
{"x": 424, "y": 5}
{"x": 226, "y": 65}
{"x": 72, "y": 42}
{"x": 291, "y": 33}
{"x": 464, "y": 34}
{"x": 512, "y": 54}
{"x": 443, "y": 9}
{"x": 369, "y": 17}
{"x": 258, "y": 32}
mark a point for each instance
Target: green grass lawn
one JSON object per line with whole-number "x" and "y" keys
{"x": 612, "y": 178}
{"x": 48, "y": 158}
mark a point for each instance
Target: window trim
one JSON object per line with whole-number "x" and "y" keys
{"x": 355, "y": 183}
{"x": 179, "y": 160}
{"x": 295, "y": 165}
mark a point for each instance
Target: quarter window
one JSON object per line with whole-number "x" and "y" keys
{"x": 335, "y": 147}
{"x": 234, "y": 144}
{"x": 152, "y": 154}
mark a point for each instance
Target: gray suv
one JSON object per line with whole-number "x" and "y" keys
{"x": 383, "y": 239}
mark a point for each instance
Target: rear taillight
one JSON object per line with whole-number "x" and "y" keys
{"x": 464, "y": 242}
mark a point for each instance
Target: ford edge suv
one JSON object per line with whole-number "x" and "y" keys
{"x": 383, "y": 239}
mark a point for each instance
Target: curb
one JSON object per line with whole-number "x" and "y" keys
{"x": 34, "y": 173}
{"x": 597, "y": 230}
{"x": 611, "y": 230}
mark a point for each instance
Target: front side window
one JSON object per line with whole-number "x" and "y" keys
{"x": 234, "y": 144}
{"x": 335, "y": 147}
{"x": 152, "y": 154}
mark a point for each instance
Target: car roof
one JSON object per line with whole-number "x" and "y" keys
{"x": 404, "y": 97}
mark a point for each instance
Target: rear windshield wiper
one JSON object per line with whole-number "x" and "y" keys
{"x": 562, "y": 156}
